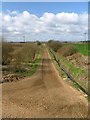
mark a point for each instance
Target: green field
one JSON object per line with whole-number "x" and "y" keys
{"x": 83, "y": 48}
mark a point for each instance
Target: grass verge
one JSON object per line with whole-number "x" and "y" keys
{"x": 32, "y": 67}
{"x": 64, "y": 76}
{"x": 75, "y": 71}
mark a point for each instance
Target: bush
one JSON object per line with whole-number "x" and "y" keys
{"x": 67, "y": 50}
{"x": 0, "y": 52}
{"x": 38, "y": 43}
{"x": 7, "y": 50}
{"x": 20, "y": 70}
{"x": 16, "y": 57}
{"x": 26, "y": 54}
{"x": 55, "y": 45}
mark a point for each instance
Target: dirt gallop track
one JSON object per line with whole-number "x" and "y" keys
{"x": 44, "y": 94}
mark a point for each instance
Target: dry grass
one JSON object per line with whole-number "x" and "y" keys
{"x": 18, "y": 58}
{"x": 7, "y": 49}
{"x": 67, "y": 50}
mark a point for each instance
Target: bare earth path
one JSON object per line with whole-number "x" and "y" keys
{"x": 44, "y": 94}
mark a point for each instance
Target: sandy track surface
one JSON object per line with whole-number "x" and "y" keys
{"x": 43, "y": 95}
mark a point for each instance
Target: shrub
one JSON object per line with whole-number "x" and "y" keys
{"x": 26, "y": 54}
{"x": 55, "y": 45}
{"x": 6, "y": 53}
{"x": 16, "y": 57}
{"x": 0, "y": 52}
{"x": 38, "y": 43}
{"x": 67, "y": 50}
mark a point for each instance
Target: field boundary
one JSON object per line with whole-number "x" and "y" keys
{"x": 67, "y": 73}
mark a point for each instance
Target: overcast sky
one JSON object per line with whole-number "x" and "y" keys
{"x": 43, "y": 21}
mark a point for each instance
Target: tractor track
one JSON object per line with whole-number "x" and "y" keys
{"x": 44, "y": 95}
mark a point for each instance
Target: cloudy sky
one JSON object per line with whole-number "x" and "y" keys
{"x": 43, "y": 21}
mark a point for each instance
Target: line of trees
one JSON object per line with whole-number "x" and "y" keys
{"x": 62, "y": 48}
{"x": 55, "y": 45}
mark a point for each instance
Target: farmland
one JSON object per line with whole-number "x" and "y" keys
{"x": 20, "y": 60}
{"x": 35, "y": 86}
{"x": 73, "y": 58}
{"x": 44, "y": 62}
{"x": 83, "y": 48}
